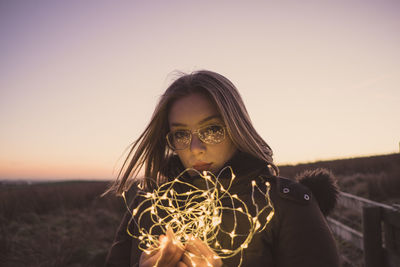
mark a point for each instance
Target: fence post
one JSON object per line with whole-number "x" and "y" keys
{"x": 372, "y": 232}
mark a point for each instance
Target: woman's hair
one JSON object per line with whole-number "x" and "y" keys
{"x": 151, "y": 150}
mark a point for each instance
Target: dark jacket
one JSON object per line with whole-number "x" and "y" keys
{"x": 297, "y": 235}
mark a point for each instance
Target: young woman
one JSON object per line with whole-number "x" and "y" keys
{"x": 201, "y": 124}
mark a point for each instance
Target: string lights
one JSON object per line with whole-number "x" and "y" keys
{"x": 210, "y": 213}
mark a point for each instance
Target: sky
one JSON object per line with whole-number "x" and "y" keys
{"x": 79, "y": 80}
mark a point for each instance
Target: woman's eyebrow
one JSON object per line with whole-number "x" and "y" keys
{"x": 200, "y": 122}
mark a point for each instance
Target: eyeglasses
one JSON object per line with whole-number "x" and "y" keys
{"x": 181, "y": 139}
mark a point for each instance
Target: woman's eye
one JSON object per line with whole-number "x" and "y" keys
{"x": 213, "y": 129}
{"x": 180, "y": 134}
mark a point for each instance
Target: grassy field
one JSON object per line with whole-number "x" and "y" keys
{"x": 69, "y": 224}
{"x": 57, "y": 224}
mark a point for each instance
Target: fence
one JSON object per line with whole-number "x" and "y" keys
{"x": 380, "y": 236}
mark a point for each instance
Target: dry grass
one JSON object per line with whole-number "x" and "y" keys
{"x": 60, "y": 224}
{"x": 68, "y": 224}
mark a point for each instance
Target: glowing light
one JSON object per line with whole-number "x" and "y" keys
{"x": 198, "y": 213}
{"x": 134, "y": 212}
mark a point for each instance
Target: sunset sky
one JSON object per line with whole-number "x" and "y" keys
{"x": 79, "y": 80}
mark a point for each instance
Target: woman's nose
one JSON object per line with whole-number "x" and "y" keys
{"x": 196, "y": 145}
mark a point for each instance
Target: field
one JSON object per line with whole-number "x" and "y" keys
{"x": 57, "y": 224}
{"x": 69, "y": 224}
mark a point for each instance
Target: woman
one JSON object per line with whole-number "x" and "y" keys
{"x": 201, "y": 124}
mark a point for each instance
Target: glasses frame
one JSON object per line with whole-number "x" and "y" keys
{"x": 197, "y": 131}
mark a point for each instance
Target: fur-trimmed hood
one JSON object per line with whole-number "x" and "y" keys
{"x": 323, "y": 186}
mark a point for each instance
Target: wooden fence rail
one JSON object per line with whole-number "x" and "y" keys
{"x": 380, "y": 236}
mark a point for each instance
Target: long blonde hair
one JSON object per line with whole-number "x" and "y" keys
{"x": 151, "y": 151}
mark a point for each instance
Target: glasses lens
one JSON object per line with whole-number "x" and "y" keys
{"x": 179, "y": 139}
{"x": 212, "y": 134}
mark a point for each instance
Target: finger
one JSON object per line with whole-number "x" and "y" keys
{"x": 199, "y": 253}
{"x": 150, "y": 252}
{"x": 168, "y": 250}
{"x": 182, "y": 264}
{"x": 171, "y": 251}
{"x": 193, "y": 256}
{"x": 188, "y": 259}
{"x": 174, "y": 253}
{"x": 171, "y": 235}
{"x": 207, "y": 251}
{"x": 192, "y": 248}
{"x": 147, "y": 260}
{"x": 202, "y": 247}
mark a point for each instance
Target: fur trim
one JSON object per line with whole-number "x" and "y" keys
{"x": 322, "y": 184}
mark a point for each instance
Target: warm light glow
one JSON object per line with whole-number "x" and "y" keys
{"x": 199, "y": 213}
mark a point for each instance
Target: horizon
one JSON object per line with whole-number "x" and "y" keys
{"x": 103, "y": 179}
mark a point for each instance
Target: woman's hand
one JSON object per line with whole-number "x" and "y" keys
{"x": 168, "y": 255}
{"x": 198, "y": 254}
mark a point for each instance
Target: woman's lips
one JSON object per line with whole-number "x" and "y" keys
{"x": 202, "y": 166}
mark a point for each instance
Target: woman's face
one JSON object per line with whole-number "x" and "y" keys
{"x": 191, "y": 113}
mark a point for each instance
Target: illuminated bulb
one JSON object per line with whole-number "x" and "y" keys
{"x": 270, "y": 215}
{"x": 134, "y": 212}
{"x": 258, "y": 225}
{"x": 201, "y": 223}
{"x": 232, "y": 234}
{"x": 141, "y": 186}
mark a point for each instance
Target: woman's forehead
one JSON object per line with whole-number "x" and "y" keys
{"x": 192, "y": 110}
